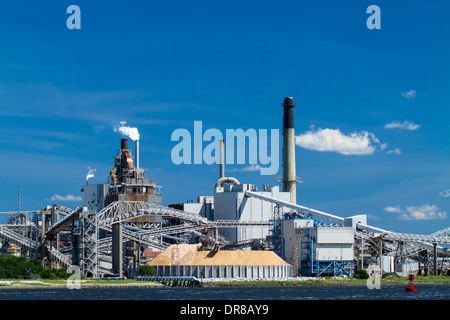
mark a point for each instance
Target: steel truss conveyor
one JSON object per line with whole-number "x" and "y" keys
{"x": 415, "y": 240}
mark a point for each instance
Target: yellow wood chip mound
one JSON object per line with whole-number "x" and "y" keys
{"x": 188, "y": 254}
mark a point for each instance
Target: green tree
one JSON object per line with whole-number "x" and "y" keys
{"x": 361, "y": 274}
{"x": 12, "y": 267}
{"x": 146, "y": 270}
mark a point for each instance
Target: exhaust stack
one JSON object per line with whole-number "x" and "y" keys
{"x": 289, "y": 177}
{"x": 221, "y": 159}
{"x": 124, "y": 144}
{"x": 137, "y": 153}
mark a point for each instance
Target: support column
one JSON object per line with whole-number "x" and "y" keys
{"x": 362, "y": 254}
{"x": 43, "y": 230}
{"x": 58, "y": 238}
{"x": 381, "y": 257}
{"x": 75, "y": 245}
{"x": 435, "y": 270}
{"x": 117, "y": 261}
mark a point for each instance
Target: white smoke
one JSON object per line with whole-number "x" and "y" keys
{"x": 130, "y": 132}
{"x": 90, "y": 174}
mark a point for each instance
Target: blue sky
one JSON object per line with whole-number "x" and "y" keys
{"x": 381, "y": 96}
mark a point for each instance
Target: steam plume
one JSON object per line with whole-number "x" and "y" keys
{"x": 130, "y": 132}
{"x": 90, "y": 174}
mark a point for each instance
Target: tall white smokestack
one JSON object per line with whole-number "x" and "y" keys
{"x": 137, "y": 153}
{"x": 289, "y": 178}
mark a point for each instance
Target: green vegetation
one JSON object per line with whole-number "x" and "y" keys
{"x": 361, "y": 274}
{"x": 417, "y": 279}
{"x": 386, "y": 279}
{"x": 147, "y": 270}
{"x": 12, "y": 267}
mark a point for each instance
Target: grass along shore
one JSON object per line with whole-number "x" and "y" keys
{"x": 328, "y": 281}
{"x": 46, "y": 283}
{"x": 87, "y": 283}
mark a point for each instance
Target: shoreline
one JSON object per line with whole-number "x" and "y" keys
{"x": 209, "y": 283}
{"x": 84, "y": 284}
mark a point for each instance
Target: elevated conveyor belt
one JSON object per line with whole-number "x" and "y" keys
{"x": 415, "y": 237}
{"x": 339, "y": 220}
{"x": 123, "y": 211}
{"x": 303, "y": 209}
{"x": 9, "y": 235}
{"x": 70, "y": 215}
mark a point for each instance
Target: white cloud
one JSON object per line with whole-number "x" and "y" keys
{"x": 333, "y": 140}
{"x": 98, "y": 128}
{"x": 396, "y": 151}
{"x": 409, "y": 94}
{"x": 252, "y": 167}
{"x": 445, "y": 193}
{"x": 396, "y": 209}
{"x": 424, "y": 212}
{"x": 402, "y": 125}
{"x": 68, "y": 197}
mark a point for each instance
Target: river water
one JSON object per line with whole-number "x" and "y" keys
{"x": 328, "y": 292}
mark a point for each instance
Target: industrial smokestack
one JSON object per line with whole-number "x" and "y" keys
{"x": 221, "y": 159}
{"x": 137, "y": 153}
{"x": 289, "y": 177}
{"x": 124, "y": 144}
{"x": 133, "y": 134}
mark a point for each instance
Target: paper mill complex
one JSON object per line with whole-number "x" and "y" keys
{"x": 239, "y": 231}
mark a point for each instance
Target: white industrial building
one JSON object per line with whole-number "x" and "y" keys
{"x": 314, "y": 250}
{"x": 93, "y": 196}
{"x": 230, "y": 203}
{"x": 204, "y": 207}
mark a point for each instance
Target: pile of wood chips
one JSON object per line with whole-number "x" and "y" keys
{"x": 189, "y": 254}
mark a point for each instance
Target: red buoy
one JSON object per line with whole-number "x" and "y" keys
{"x": 411, "y": 286}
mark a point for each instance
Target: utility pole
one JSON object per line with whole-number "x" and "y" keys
{"x": 20, "y": 204}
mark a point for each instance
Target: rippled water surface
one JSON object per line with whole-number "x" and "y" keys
{"x": 388, "y": 292}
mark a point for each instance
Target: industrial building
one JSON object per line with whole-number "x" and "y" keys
{"x": 232, "y": 204}
{"x": 312, "y": 250}
{"x": 236, "y": 232}
{"x": 204, "y": 207}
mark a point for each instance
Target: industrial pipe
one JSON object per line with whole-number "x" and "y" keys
{"x": 220, "y": 182}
